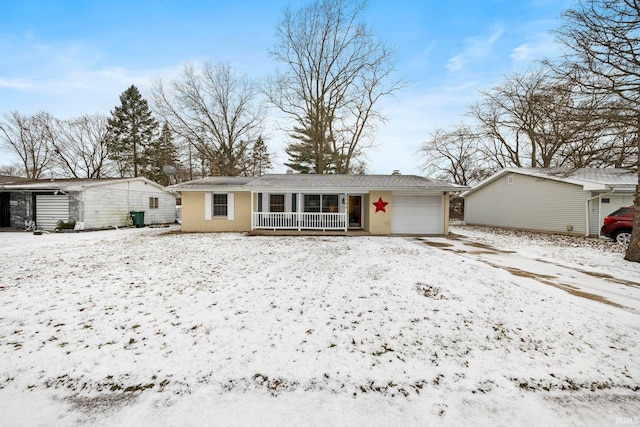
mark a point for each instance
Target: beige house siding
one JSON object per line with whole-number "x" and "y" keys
{"x": 528, "y": 203}
{"x": 193, "y": 214}
{"x": 366, "y": 214}
{"x": 379, "y": 222}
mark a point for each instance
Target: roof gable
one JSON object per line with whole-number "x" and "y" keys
{"x": 590, "y": 179}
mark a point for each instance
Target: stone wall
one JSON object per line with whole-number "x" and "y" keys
{"x": 20, "y": 209}
{"x": 74, "y": 206}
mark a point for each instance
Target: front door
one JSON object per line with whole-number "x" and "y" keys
{"x": 355, "y": 211}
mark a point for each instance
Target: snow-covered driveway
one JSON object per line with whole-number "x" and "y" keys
{"x": 149, "y": 327}
{"x": 608, "y": 281}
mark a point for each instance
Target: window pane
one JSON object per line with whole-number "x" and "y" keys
{"x": 219, "y": 205}
{"x": 312, "y": 203}
{"x": 276, "y": 203}
{"x": 330, "y": 203}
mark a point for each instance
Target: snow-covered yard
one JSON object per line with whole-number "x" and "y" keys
{"x": 153, "y": 327}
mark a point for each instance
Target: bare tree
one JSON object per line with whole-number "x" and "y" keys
{"x": 80, "y": 147}
{"x": 10, "y": 170}
{"x": 603, "y": 39}
{"x": 30, "y": 137}
{"x": 214, "y": 110}
{"x": 454, "y": 155}
{"x": 535, "y": 119}
{"x": 335, "y": 73}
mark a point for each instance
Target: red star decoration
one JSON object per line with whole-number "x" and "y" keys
{"x": 380, "y": 205}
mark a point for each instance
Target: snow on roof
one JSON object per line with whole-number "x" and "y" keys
{"x": 4, "y": 179}
{"x": 213, "y": 181}
{"x": 320, "y": 181}
{"x": 588, "y": 178}
{"x": 66, "y": 184}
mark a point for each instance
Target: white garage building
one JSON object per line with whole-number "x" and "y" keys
{"x": 558, "y": 200}
{"x": 86, "y": 203}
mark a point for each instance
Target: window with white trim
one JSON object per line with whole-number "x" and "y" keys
{"x": 276, "y": 202}
{"x": 154, "y": 203}
{"x": 312, "y": 203}
{"x": 329, "y": 203}
{"x": 220, "y": 206}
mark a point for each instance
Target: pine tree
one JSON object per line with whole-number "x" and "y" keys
{"x": 260, "y": 160}
{"x": 300, "y": 157}
{"x": 307, "y": 153}
{"x": 159, "y": 153}
{"x": 131, "y": 129}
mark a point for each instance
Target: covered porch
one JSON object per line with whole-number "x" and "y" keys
{"x": 306, "y": 211}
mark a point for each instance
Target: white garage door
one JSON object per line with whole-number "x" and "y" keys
{"x": 417, "y": 214}
{"x": 50, "y": 209}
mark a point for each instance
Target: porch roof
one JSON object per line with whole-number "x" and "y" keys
{"x": 313, "y": 182}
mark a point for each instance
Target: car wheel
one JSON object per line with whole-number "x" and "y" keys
{"x": 622, "y": 237}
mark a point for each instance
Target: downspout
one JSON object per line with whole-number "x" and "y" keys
{"x": 599, "y": 207}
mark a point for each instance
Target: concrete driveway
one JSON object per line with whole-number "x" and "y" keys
{"x": 573, "y": 277}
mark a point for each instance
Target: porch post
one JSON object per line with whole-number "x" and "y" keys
{"x": 299, "y": 210}
{"x": 252, "y": 224}
{"x": 346, "y": 212}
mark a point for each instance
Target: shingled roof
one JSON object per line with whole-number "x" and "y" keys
{"x": 65, "y": 184}
{"x": 591, "y": 179}
{"x": 313, "y": 182}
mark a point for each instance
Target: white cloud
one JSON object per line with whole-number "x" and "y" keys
{"x": 477, "y": 47}
{"x": 16, "y": 83}
{"x": 538, "y": 47}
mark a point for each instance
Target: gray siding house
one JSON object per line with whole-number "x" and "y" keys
{"x": 553, "y": 200}
{"x": 90, "y": 203}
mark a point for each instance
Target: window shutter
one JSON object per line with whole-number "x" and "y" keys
{"x": 230, "y": 206}
{"x": 208, "y": 206}
{"x": 294, "y": 205}
{"x": 259, "y": 202}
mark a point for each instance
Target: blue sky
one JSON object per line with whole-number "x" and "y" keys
{"x": 75, "y": 57}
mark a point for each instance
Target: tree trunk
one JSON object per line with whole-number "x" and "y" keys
{"x": 633, "y": 251}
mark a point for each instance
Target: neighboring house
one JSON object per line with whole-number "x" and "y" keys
{"x": 378, "y": 204}
{"x": 552, "y": 200}
{"x": 90, "y": 203}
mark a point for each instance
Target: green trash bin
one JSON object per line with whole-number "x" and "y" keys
{"x": 138, "y": 218}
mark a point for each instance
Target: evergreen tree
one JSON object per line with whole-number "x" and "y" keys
{"x": 308, "y": 153}
{"x": 159, "y": 153}
{"x": 260, "y": 160}
{"x": 300, "y": 158}
{"x": 131, "y": 128}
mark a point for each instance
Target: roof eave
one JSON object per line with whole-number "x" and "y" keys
{"x": 286, "y": 189}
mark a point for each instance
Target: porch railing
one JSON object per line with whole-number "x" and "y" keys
{"x": 299, "y": 221}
